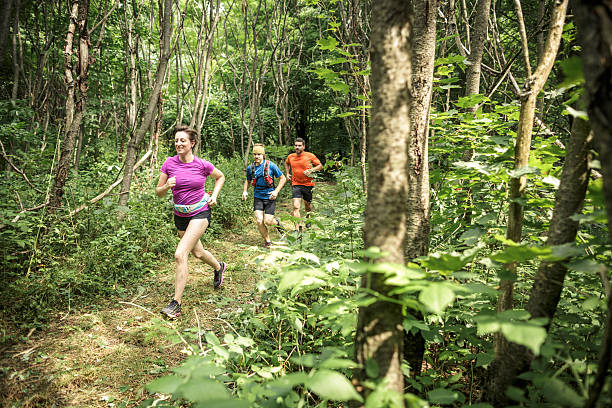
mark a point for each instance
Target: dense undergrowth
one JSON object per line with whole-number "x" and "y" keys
{"x": 293, "y": 345}
{"x": 52, "y": 262}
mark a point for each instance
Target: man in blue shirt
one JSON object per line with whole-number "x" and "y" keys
{"x": 261, "y": 174}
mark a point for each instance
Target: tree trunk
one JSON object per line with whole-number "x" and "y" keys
{"x": 138, "y": 135}
{"x": 7, "y": 5}
{"x": 131, "y": 50}
{"x": 15, "y": 91}
{"x": 72, "y": 124}
{"x": 594, "y": 22}
{"x": 379, "y": 335}
{"x": 417, "y": 211}
{"x": 472, "y": 85}
{"x": 206, "y": 37}
{"x": 532, "y": 88}
{"x": 548, "y": 283}
{"x": 481, "y": 21}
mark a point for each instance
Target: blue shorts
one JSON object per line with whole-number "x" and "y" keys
{"x": 182, "y": 222}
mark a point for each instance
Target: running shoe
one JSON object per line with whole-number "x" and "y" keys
{"x": 173, "y": 310}
{"x": 279, "y": 226}
{"x": 267, "y": 245}
{"x": 218, "y": 280}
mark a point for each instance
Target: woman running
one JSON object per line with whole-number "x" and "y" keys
{"x": 185, "y": 174}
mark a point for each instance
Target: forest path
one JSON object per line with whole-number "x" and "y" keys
{"x": 104, "y": 355}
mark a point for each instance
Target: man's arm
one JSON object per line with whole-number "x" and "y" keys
{"x": 308, "y": 172}
{"x": 245, "y": 189}
{"x": 281, "y": 182}
{"x": 288, "y": 171}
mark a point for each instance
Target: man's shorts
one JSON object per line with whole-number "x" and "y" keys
{"x": 182, "y": 222}
{"x": 267, "y": 206}
{"x": 304, "y": 192}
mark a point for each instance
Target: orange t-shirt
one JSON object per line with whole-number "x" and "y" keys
{"x": 299, "y": 164}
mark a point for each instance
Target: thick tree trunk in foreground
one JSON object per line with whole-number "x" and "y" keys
{"x": 594, "y": 20}
{"x": 75, "y": 101}
{"x": 417, "y": 211}
{"x": 546, "y": 291}
{"x": 379, "y": 336}
{"x": 139, "y": 134}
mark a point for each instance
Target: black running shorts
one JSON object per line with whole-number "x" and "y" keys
{"x": 304, "y": 192}
{"x": 182, "y": 222}
{"x": 267, "y": 206}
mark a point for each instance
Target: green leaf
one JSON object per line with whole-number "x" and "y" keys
{"x": 519, "y": 254}
{"x": 336, "y": 363}
{"x": 558, "y": 393}
{"x": 284, "y": 384}
{"x": 471, "y": 100}
{"x": 472, "y": 235}
{"x": 165, "y": 385}
{"x": 333, "y": 386}
{"x": 587, "y": 266}
{"x": 231, "y": 403}
{"x": 401, "y": 275}
{"x": 372, "y": 370}
{"x": 484, "y": 359}
{"x": 437, "y": 297}
{"x": 203, "y": 390}
{"x": 577, "y": 113}
{"x": 328, "y": 43}
{"x": 525, "y": 334}
{"x": 339, "y": 86}
{"x": 476, "y": 287}
{"x": 299, "y": 280}
{"x": 572, "y": 70}
{"x": 443, "y": 396}
{"x": 447, "y": 262}
{"x": 211, "y": 338}
{"x": 521, "y": 171}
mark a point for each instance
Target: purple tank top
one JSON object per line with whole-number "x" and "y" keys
{"x": 190, "y": 181}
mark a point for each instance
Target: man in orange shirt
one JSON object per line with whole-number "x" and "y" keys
{"x": 298, "y": 167}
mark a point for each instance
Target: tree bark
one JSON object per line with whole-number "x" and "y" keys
{"x": 532, "y": 88}
{"x": 595, "y": 36}
{"x": 16, "y": 34}
{"x": 379, "y": 335}
{"x": 75, "y": 100}
{"x": 160, "y": 74}
{"x": 7, "y": 6}
{"x": 206, "y": 35}
{"x": 417, "y": 211}
{"x": 548, "y": 283}
{"x": 131, "y": 49}
{"x": 472, "y": 75}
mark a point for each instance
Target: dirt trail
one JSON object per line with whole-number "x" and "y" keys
{"x": 104, "y": 356}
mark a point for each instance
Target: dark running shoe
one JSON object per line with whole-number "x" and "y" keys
{"x": 173, "y": 310}
{"x": 218, "y": 280}
{"x": 280, "y": 227}
{"x": 267, "y": 245}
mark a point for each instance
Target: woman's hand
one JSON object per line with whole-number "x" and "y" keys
{"x": 171, "y": 182}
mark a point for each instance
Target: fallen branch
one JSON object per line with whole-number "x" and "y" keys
{"x": 8, "y": 160}
{"x": 110, "y": 188}
{"x": 38, "y": 207}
